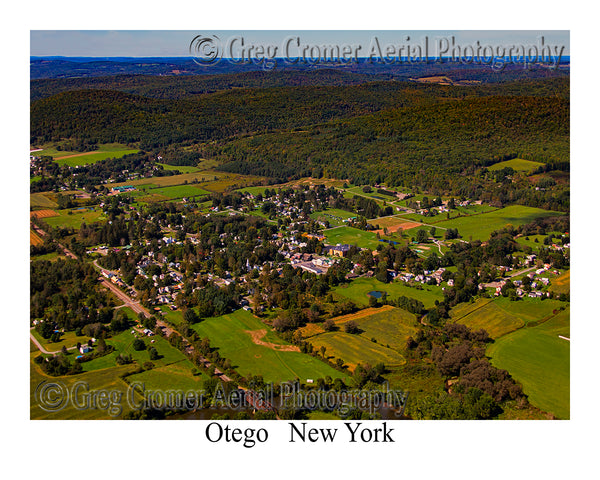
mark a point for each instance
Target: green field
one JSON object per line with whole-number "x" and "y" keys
{"x": 441, "y": 217}
{"x": 109, "y": 150}
{"x": 178, "y": 191}
{"x": 75, "y": 219}
{"x": 352, "y": 236}
{"x": 355, "y": 349}
{"x": 501, "y": 316}
{"x": 540, "y": 361}
{"x": 123, "y": 344}
{"x": 229, "y": 333}
{"x": 517, "y": 164}
{"x": 358, "y": 289}
{"x": 334, "y": 216}
{"x": 480, "y": 227}
{"x": 68, "y": 339}
{"x": 175, "y": 376}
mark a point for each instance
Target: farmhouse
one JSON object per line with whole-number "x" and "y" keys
{"x": 122, "y": 189}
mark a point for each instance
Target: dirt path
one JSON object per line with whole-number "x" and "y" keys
{"x": 257, "y": 336}
{"x": 76, "y": 155}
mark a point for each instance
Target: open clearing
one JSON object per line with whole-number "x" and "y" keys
{"x": 393, "y": 224}
{"x": 175, "y": 376}
{"x": 517, "y": 164}
{"x": 390, "y": 327}
{"x": 540, "y": 361}
{"x": 72, "y": 158}
{"x": 229, "y": 333}
{"x": 355, "y": 349}
{"x": 43, "y": 213}
{"x": 334, "y": 216}
{"x": 257, "y": 338}
{"x": 479, "y": 227}
{"x": 358, "y": 289}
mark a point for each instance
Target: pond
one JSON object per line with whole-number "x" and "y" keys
{"x": 377, "y": 294}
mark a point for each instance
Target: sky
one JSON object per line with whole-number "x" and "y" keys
{"x": 174, "y": 43}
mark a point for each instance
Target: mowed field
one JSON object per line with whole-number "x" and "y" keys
{"x": 358, "y": 289}
{"x": 393, "y": 224}
{"x": 235, "y": 334}
{"x": 334, "y": 216}
{"x": 175, "y": 376}
{"x": 479, "y": 227}
{"x": 351, "y": 236}
{"x": 501, "y": 316}
{"x": 540, "y": 360}
{"x": 517, "y": 164}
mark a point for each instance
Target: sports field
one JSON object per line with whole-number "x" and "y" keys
{"x": 517, "y": 164}
{"x": 358, "y": 289}
{"x": 479, "y": 227}
{"x": 355, "y": 349}
{"x": 540, "y": 360}
{"x": 351, "y": 236}
{"x": 254, "y": 349}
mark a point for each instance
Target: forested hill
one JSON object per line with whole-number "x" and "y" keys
{"x": 401, "y": 133}
{"x": 111, "y": 116}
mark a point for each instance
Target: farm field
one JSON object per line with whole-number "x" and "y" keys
{"x": 517, "y": 164}
{"x": 351, "y": 236}
{"x": 71, "y": 158}
{"x": 209, "y": 180}
{"x": 179, "y": 191}
{"x": 441, "y": 217}
{"x": 562, "y": 284}
{"x": 42, "y": 200}
{"x": 501, "y": 316}
{"x": 45, "y": 213}
{"x": 231, "y": 334}
{"x": 34, "y": 238}
{"x": 76, "y": 218}
{"x": 480, "y": 227}
{"x": 358, "y": 289}
{"x": 355, "y": 349}
{"x": 390, "y": 327}
{"x": 540, "y": 361}
{"x": 182, "y": 169}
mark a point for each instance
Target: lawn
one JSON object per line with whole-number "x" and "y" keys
{"x": 355, "y": 349}
{"x": 517, "y": 164}
{"x": 358, "y": 289}
{"x": 68, "y": 339}
{"x": 479, "y": 227}
{"x": 75, "y": 217}
{"x": 540, "y": 361}
{"x": 230, "y": 334}
{"x": 352, "y": 236}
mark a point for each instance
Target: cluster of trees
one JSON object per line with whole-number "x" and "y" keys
{"x": 479, "y": 389}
